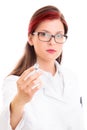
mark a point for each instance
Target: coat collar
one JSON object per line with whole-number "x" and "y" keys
{"x": 47, "y": 86}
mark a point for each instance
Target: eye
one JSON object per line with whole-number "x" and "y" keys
{"x": 59, "y": 35}
{"x": 42, "y": 34}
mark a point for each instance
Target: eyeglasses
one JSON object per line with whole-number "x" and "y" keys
{"x": 46, "y": 37}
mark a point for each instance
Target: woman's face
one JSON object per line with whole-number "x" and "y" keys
{"x": 48, "y": 50}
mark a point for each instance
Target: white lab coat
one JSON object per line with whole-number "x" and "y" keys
{"x": 56, "y": 106}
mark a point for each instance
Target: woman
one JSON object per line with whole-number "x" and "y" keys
{"x": 39, "y": 94}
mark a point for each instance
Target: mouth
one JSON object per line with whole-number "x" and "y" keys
{"x": 51, "y": 51}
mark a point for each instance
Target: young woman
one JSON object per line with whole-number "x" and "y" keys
{"x": 39, "y": 94}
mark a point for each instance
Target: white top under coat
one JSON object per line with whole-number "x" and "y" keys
{"x": 56, "y": 106}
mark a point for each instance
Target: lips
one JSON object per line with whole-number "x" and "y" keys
{"x": 51, "y": 51}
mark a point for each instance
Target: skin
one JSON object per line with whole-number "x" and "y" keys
{"x": 45, "y": 59}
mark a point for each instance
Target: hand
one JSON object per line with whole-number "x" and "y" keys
{"x": 28, "y": 84}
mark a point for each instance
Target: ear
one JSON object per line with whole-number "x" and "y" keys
{"x": 30, "y": 40}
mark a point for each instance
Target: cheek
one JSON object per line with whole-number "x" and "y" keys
{"x": 38, "y": 45}
{"x": 59, "y": 49}
{"x": 39, "y": 48}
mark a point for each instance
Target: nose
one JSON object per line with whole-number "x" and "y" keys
{"x": 52, "y": 40}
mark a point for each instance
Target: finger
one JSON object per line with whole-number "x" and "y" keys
{"x": 36, "y": 83}
{"x": 31, "y": 90}
{"x": 36, "y": 69}
{"x": 31, "y": 81}
{"x": 34, "y": 89}
{"x": 25, "y": 73}
{"x": 34, "y": 76}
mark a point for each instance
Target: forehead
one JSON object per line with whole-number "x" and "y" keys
{"x": 51, "y": 25}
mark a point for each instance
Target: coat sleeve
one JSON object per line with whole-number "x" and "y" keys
{"x": 9, "y": 90}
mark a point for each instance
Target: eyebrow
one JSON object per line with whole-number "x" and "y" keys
{"x": 50, "y": 32}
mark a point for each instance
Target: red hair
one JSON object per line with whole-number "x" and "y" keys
{"x": 46, "y": 13}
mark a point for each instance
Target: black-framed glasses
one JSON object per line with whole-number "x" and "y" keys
{"x": 46, "y": 37}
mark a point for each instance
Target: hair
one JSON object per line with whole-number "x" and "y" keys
{"x": 29, "y": 57}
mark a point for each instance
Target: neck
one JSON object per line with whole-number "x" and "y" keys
{"x": 47, "y": 66}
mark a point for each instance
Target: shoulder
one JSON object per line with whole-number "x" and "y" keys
{"x": 66, "y": 72}
{"x": 9, "y": 89}
{"x": 70, "y": 80}
{"x": 9, "y": 81}
{"x": 11, "y": 78}
{"x": 69, "y": 74}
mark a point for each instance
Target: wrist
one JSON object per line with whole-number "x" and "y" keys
{"x": 16, "y": 112}
{"x": 16, "y": 105}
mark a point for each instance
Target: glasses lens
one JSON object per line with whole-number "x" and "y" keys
{"x": 60, "y": 38}
{"x": 43, "y": 36}
{"x": 46, "y": 37}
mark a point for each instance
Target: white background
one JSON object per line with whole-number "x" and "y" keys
{"x": 14, "y": 19}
